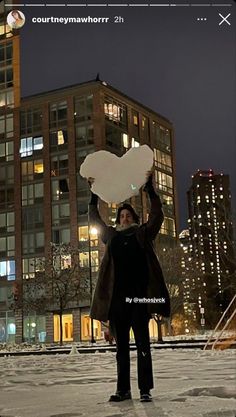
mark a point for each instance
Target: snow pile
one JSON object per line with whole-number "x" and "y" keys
{"x": 12, "y": 347}
{"x": 74, "y": 350}
{"x": 117, "y": 179}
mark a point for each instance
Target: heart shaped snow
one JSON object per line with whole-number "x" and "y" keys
{"x": 118, "y": 178}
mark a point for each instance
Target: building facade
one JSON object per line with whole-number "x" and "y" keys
{"x": 9, "y": 101}
{"x": 43, "y": 140}
{"x": 211, "y": 244}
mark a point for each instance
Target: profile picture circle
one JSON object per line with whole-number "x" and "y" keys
{"x": 16, "y": 19}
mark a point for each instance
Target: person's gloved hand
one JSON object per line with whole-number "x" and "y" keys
{"x": 94, "y": 197}
{"x": 149, "y": 184}
{"x": 149, "y": 178}
{"x": 90, "y": 182}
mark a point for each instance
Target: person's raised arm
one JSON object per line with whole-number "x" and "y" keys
{"x": 156, "y": 215}
{"x": 94, "y": 215}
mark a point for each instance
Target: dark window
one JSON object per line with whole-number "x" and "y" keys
{"x": 114, "y": 136}
{"x": 60, "y": 189}
{"x": 32, "y": 194}
{"x": 6, "y": 174}
{"x": 7, "y": 246}
{"x": 7, "y": 222}
{"x": 58, "y": 114}
{"x": 83, "y": 108}
{"x": 82, "y": 186}
{"x": 30, "y": 121}
{"x": 6, "y": 77}
{"x": 82, "y": 153}
{"x": 82, "y": 208}
{"x": 61, "y": 236}
{"x": 32, "y": 217}
{"x": 6, "y": 126}
{"x": 63, "y": 186}
{"x": 33, "y": 242}
{"x": 84, "y": 135}
{"x": 59, "y": 165}
{"x": 6, "y": 198}
{"x": 6, "y": 151}
{"x": 56, "y": 236}
{"x": 6, "y": 54}
{"x": 161, "y": 137}
{"x": 60, "y": 213}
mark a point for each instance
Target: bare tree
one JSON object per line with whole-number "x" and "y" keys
{"x": 59, "y": 284}
{"x": 182, "y": 278}
{"x": 170, "y": 260}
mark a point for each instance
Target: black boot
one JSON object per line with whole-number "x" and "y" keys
{"x": 120, "y": 396}
{"x": 145, "y": 396}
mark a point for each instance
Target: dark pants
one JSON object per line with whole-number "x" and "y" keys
{"x": 134, "y": 316}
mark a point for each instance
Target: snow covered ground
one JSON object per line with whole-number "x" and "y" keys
{"x": 188, "y": 383}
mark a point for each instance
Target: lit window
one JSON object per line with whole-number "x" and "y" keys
{"x": 115, "y": 111}
{"x": 168, "y": 227}
{"x": 83, "y": 233}
{"x": 162, "y": 160}
{"x": 165, "y": 182}
{"x": 93, "y": 236}
{"x": 7, "y": 270}
{"x": 134, "y": 143}
{"x": 84, "y": 260}
{"x": 65, "y": 261}
{"x": 125, "y": 140}
{"x": 30, "y": 144}
{"x": 38, "y": 167}
{"x": 135, "y": 118}
{"x": 60, "y": 137}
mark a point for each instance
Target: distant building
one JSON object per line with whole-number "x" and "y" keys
{"x": 190, "y": 303}
{"x": 43, "y": 141}
{"x": 211, "y": 241}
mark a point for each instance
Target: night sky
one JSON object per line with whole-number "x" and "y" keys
{"x": 163, "y": 57}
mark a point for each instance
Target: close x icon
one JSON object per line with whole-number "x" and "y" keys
{"x": 224, "y": 19}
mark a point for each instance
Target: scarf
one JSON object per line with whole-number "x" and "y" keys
{"x": 120, "y": 228}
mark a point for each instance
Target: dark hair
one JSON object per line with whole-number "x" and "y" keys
{"x": 128, "y": 207}
{"x": 15, "y": 12}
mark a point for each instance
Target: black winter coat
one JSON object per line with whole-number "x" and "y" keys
{"x": 145, "y": 235}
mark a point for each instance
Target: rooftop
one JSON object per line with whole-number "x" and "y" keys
{"x": 94, "y": 83}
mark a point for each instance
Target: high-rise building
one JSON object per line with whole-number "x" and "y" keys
{"x": 9, "y": 101}
{"x": 211, "y": 240}
{"x": 44, "y": 199}
{"x": 189, "y": 282}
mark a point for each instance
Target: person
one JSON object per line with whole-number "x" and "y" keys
{"x": 18, "y": 21}
{"x": 129, "y": 271}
